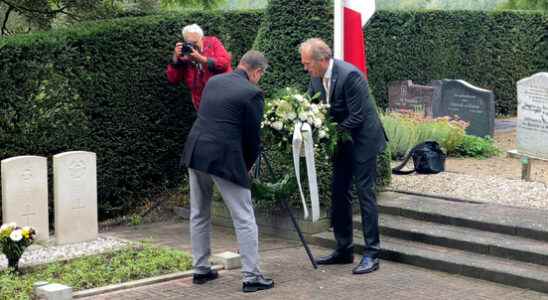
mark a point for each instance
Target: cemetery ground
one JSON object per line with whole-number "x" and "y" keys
{"x": 496, "y": 179}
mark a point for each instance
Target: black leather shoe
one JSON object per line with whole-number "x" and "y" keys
{"x": 336, "y": 258}
{"x": 203, "y": 278}
{"x": 366, "y": 265}
{"x": 260, "y": 283}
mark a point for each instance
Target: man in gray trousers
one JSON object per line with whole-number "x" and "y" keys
{"x": 221, "y": 147}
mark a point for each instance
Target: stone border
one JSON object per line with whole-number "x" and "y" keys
{"x": 136, "y": 283}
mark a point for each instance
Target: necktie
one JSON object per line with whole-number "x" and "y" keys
{"x": 326, "y": 85}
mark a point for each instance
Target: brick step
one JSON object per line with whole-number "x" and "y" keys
{"x": 522, "y": 222}
{"x": 462, "y": 238}
{"x": 505, "y": 271}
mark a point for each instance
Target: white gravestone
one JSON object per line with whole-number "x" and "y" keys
{"x": 75, "y": 197}
{"x": 532, "y": 124}
{"x": 25, "y": 193}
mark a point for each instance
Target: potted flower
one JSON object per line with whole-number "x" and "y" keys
{"x": 13, "y": 242}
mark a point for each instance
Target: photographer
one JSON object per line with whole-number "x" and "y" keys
{"x": 196, "y": 60}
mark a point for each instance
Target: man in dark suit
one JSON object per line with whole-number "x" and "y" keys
{"x": 345, "y": 89}
{"x": 221, "y": 147}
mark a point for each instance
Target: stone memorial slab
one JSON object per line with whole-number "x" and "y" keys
{"x": 471, "y": 104}
{"x": 405, "y": 96}
{"x": 25, "y": 193}
{"x": 532, "y": 123}
{"x": 75, "y": 197}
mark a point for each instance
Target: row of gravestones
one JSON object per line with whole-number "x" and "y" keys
{"x": 477, "y": 107}
{"x": 447, "y": 98}
{"x": 25, "y": 195}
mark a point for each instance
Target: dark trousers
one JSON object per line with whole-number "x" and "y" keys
{"x": 364, "y": 173}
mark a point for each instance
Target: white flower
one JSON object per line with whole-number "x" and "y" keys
{"x": 278, "y": 125}
{"x": 291, "y": 116}
{"x": 302, "y": 116}
{"x": 299, "y": 98}
{"x": 314, "y": 108}
{"x": 3, "y": 227}
{"x": 16, "y": 235}
{"x": 322, "y": 134}
{"x": 317, "y": 122}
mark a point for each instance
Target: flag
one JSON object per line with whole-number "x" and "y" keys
{"x": 350, "y": 17}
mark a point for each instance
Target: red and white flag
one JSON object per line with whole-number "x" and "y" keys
{"x": 350, "y": 17}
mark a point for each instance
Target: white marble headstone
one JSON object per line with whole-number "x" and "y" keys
{"x": 25, "y": 193}
{"x": 532, "y": 124}
{"x": 75, "y": 197}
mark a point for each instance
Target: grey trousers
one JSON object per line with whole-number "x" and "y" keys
{"x": 238, "y": 201}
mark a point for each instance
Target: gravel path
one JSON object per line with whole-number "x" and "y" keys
{"x": 38, "y": 254}
{"x": 481, "y": 188}
{"x": 495, "y": 180}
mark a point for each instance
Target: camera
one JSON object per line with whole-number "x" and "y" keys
{"x": 187, "y": 48}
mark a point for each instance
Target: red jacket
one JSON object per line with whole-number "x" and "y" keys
{"x": 196, "y": 75}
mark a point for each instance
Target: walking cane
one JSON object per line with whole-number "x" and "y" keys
{"x": 262, "y": 156}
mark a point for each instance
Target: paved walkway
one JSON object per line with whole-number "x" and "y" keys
{"x": 295, "y": 279}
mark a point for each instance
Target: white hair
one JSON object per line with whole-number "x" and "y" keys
{"x": 193, "y": 28}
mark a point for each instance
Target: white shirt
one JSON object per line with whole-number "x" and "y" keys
{"x": 326, "y": 80}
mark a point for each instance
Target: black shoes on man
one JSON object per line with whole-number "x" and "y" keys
{"x": 203, "y": 278}
{"x": 256, "y": 284}
{"x": 366, "y": 265}
{"x": 336, "y": 258}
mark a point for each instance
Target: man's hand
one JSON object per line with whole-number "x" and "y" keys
{"x": 197, "y": 57}
{"x": 177, "y": 52}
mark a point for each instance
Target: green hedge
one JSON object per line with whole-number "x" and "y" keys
{"x": 492, "y": 50}
{"x": 101, "y": 87}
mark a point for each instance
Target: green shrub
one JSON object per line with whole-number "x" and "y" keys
{"x": 407, "y": 130}
{"x": 491, "y": 50}
{"x": 473, "y": 146}
{"x": 132, "y": 263}
{"x": 286, "y": 24}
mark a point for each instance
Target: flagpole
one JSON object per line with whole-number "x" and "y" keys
{"x": 338, "y": 36}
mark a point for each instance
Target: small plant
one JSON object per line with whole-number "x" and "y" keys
{"x": 473, "y": 146}
{"x": 135, "y": 220}
{"x": 405, "y": 130}
{"x": 13, "y": 242}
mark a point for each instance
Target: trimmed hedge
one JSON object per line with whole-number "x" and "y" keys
{"x": 286, "y": 25}
{"x": 101, "y": 87}
{"x": 492, "y": 50}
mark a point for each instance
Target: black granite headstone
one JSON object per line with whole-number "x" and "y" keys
{"x": 469, "y": 103}
{"x": 404, "y": 96}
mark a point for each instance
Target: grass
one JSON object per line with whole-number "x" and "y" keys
{"x": 132, "y": 263}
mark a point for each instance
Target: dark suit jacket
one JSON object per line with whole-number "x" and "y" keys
{"x": 224, "y": 140}
{"x": 352, "y": 109}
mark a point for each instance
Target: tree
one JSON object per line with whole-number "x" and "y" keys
{"x": 18, "y": 16}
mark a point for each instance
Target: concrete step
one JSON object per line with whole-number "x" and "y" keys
{"x": 462, "y": 238}
{"x": 528, "y": 223}
{"x": 505, "y": 271}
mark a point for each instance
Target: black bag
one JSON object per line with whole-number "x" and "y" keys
{"x": 428, "y": 158}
